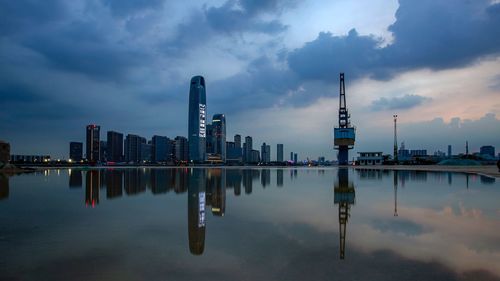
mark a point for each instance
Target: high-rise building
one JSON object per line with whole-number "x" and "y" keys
{"x": 449, "y": 151}
{"x": 210, "y": 139}
{"x": 133, "y": 148}
{"x": 197, "y": 130}
{"x": 103, "y": 151}
{"x": 248, "y": 149}
{"x": 161, "y": 149}
{"x": 295, "y": 158}
{"x": 237, "y": 141}
{"x": 291, "y": 156}
{"x": 181, "y": 148}
{"x": 219, "y": 135}
{"x": 145, "y": 152}
{"x": 254, "y": 156}
{"x": 93, "y": 143}
{"x": 265, "y": 151}
{"x": 279, "y": 152}
{"x": 487, "y": 150}
{"x": 115, "y": 146}
{"x": 76, "y": 151}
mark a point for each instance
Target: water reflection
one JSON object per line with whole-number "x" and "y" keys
{"x": 344, "y": 196}
{"x": 75, "y": 178}
{"x": 431, "y": 234}
{"x": 395, "y": 183}
{"x": 92, "y": 185}
{"x": 196, "y": 211}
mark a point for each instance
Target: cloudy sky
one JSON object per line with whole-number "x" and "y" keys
{"x": 271, "y": 66}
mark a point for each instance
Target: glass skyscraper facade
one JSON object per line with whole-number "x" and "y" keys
{"x": 197, "y": 130}
{"x": 219, "y": 135}
{"x": 93, "y": 143}
{"x": 115, "y": 146}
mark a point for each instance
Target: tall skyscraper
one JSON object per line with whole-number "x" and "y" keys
{"x": 219, "y": 134}
{"x": 279, "y": 152}
{"x": 115, "y": 146}
{"x": 265, "y": 151}
{"x": 295, "y": 158}
{"x": 291, "y": 156}
{"x": 93, "y": 143}
{"x": 133, "y": 148}
{"x": 449, "y": 151}
{"x": 75, "y": 151}
{"x": 248, "y": 149}
{"x": 197, "y": 120}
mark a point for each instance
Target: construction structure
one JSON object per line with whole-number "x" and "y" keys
{"x": 343, "y": 195}
{"x": 395, "y": 116}
{"x": 344, "y": 135}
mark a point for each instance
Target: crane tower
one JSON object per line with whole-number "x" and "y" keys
{"x": 344, "y": 135}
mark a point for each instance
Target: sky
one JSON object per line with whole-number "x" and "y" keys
{"x": 271, "y": 66}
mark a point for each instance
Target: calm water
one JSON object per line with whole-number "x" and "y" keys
{"x": 248, "y": 224}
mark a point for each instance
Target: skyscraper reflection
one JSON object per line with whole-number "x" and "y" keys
{"x": 247, "y": 181}
{"x": 114, "y": 183}
{"x": 92, "y": 185}
{"x": 265, "y": 178}
{"x": 279, "y": 177}
{"x": 216, "y": 191}
{"x": 196, "y": 211}
{"x": 233, "y": 179}
{"x": 344, "y": 195}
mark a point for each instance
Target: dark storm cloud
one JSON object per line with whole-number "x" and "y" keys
{"x": 84, "y": 47}
{"x": 427, "y": 34}
{"x": 260, "y": 86}
{"x": 238, "y": 16}
{"x": 18, "y": 15}
{"x": 328, "y": 55}
{"x": 126, "y": 7}
{"x": 233, "y": 17}
{"x": 403, "y": 102}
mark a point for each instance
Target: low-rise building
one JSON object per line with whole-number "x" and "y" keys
{"x": 370, "y": 158}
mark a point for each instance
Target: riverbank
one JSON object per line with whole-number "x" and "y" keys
{"x": 490, "y": 170}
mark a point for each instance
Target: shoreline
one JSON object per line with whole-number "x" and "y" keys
{"x": 487, "y": 170}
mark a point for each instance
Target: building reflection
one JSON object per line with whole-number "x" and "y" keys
{"x": 233, "y": 180}
{"x": 4, "y": 186}
{"x": 75, "y": 178}
{"x": 216, "y": 191}
{"x": 344, "y": 195}
{"x": 265, "y": 178}
{"x": 279, "y": 177}
{"x": 247, "y": 181}
{"x": 114, "y": 183}
{"x": 92, "y": 185}
{"x": 196, "y": 211}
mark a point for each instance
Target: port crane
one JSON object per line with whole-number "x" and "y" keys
{"x": 345, "y": 134}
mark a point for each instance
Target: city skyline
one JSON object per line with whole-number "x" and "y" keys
{"x": 125, "y": 68}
